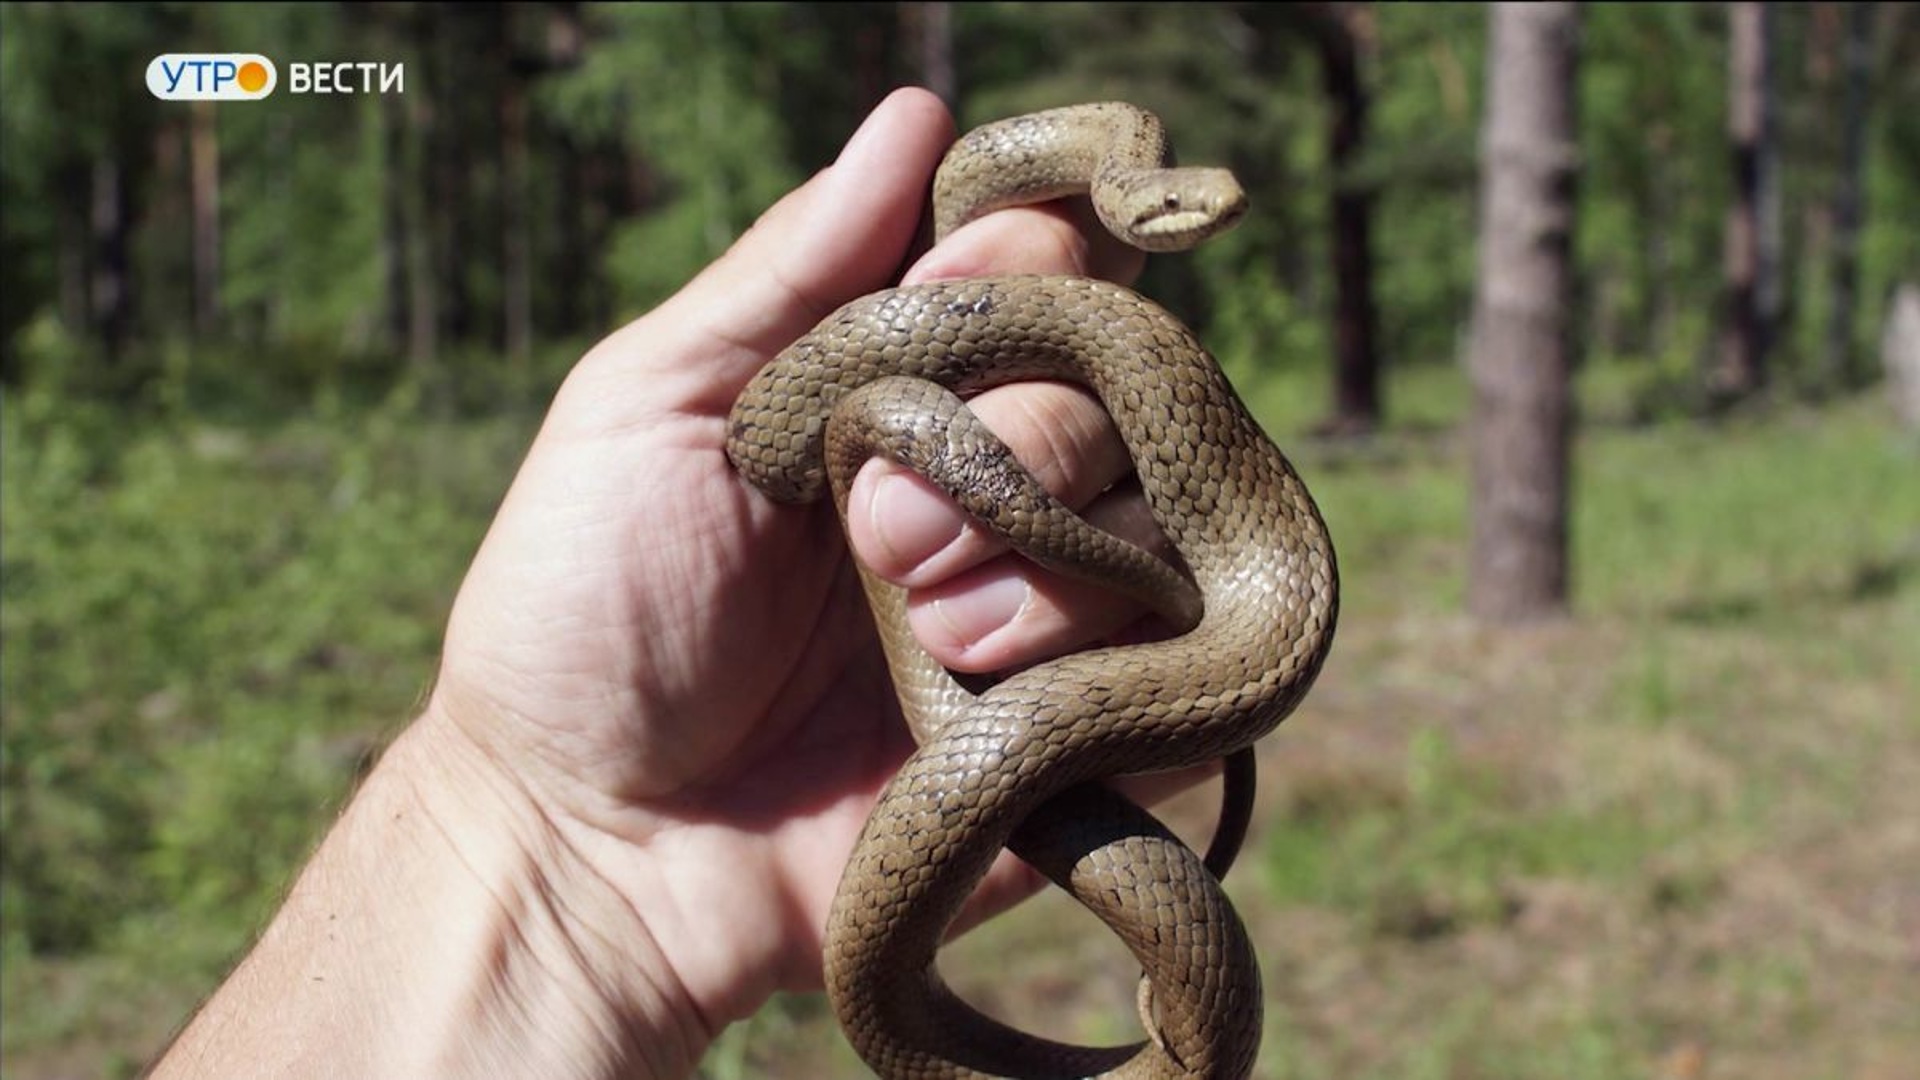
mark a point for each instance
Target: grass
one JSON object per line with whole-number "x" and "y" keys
{"x": 1671, "y": 836}
{"x": 206, "y": 628}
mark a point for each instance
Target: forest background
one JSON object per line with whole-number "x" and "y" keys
{"x": 267, "y": 367}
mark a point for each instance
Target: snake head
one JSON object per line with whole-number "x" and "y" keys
{"x": 1171, "y": 209}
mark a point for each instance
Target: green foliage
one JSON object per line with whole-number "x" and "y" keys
{"x": 1257, "y": 327}
{"x": 58, "y": 115}
{"x": 660, "y": 137}
{"x": 1649, "y": 229}
{"x": 190, "y": 645}
{"x": 687, "y": 87}
{"x": 1423, "y": 161}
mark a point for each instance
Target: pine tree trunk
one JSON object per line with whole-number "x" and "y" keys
{"x": 423, "y": 247}
{"x": 1900, "y": 354}
{"x": 1843, "y": 296}
{"x": 203, "y": 142}
{"x": 75, "y": 254}
{"x": 1356, "y": 383}
{"x": 929, "y": 24}
{"x": 453, "y": 220}
{"x": 516, "y": 247}
{"x": 397, "y": 228}
{"x": 109, "y": 278}
{"x": 570, "y": 295}
{"x": 1521, "y": 361}
{"x": 1750, "y": 293}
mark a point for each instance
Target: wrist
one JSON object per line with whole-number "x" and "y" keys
{"x": 446, "y": 928}
{"x": 562, "y": 968}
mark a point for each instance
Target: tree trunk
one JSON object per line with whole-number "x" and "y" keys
{"x": 1752, "y": 220}
{"x": 1662, "y": 224}
{"x": 1521, "y": 361}
{"x": 423, "y": 294}
{"x": 75, "y": 253}
{"x": 453, "y": 220}
{"x": 109, "y": 280}
{"x": 397, "y": 228}
{"x": 399, "y": 225}
{"x": 203, "y": 142}
{"x": 1900, "y": 354}
{"x": 929, "y": 25}
{"x": 570, "y": 295}
{"x": 1769, "y": 291}
{"x": 1855, "y": 51}
{"x": 1356, "y": 383}
{"x": 516, "y": 247}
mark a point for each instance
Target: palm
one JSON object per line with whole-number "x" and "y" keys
{"x": 681, "y": 672}
{"x": 675, "y": 627}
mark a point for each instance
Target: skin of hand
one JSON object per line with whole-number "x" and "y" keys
{"x": 661, "y": 715}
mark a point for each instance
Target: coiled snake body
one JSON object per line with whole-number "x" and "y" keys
{"x": 1019, "y": 764}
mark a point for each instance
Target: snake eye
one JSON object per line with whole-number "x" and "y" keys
{"x": 1170, "y": 203}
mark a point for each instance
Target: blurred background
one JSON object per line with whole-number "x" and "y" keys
{"x": 267, "y": 367}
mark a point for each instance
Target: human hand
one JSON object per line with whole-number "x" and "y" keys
{"x": 681, "y": 667}
{"x": 662, "y": 715}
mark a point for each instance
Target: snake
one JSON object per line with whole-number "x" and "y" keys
{"x": 1021, "y": 762}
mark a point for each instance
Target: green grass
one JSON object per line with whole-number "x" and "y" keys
{"x": 1664, "y": 835}
{"x": 1443, "y": 846}
{"x": 206, "y": 626}
{"x": 1683, "y": 793}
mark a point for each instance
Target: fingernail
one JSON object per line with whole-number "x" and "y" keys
{"x": 971, "y": 615}
{"x": 910, "y": 523}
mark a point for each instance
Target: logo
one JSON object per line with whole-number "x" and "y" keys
{"x": 211, "y": 77}
{"x": 250, "y": 77}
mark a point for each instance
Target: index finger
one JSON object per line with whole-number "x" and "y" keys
{"x": 1062, "y": 237}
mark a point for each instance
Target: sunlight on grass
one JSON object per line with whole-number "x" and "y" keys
{"x": 1451, "y": 843}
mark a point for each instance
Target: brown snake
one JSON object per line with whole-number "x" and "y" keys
{"x": 1019, "y": 763}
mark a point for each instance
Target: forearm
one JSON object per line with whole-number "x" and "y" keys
{"x": 445, "y": 929}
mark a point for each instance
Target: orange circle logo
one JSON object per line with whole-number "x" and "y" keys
{"x": 253, "y": 76}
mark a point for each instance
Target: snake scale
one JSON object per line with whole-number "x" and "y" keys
{"x": 1019, "y": 763}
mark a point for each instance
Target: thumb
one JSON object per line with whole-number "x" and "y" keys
{"x": 840, "y": 235}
